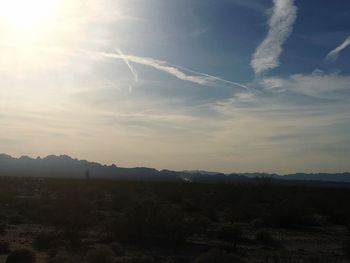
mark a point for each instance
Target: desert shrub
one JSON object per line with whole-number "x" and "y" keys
{"x": 288, "y": 214}
{"x": 264, "y": 237}
{"x": 6, "y": 193}
{"x": 45, "y": 241}
{"x": 57, "y": 251}
{"x": 72, "y": 229}
{"x": 21, "y": 256}
{"x": 143, "y": 259}
{"x": 16, "y": 220}
{"x": 232, "y": 234}
{"x": 337, "y": 209}
{"x": 127, "y": 227}
{"x": 73, "y": 210}
{"x": 122, "y": 199}
{"x": 198, "y": 225}
{"x": 151, "y": 222}
{"x": 167, "y": 224}
{"x": 52, "y": 252}
{"x": 217, "y": 256}
{"x": 244, "y": 211}
{"x": 347, "y": 247}
{"x": 314, "y": 220}
{"x": 258, "y": 223}
{"x": 3, "y": 227}
{"x": 117, "y": 249}
{"x": 60, "y": 259}
{"x": 4, "y": 248}
{"x": 322, "y": 259}
{"x": 74, "y": 239}
{"x": 282, "y": 257}
{"x": 100, "y": 255}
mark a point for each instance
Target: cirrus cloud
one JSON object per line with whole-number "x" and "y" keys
{"x": 280, "y": 27}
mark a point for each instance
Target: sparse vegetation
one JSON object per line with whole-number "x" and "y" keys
{"x": 347, "y": 248}
{"x": 105, "y": 220}
{"x": 265, "y": 238}
{"x": 100, "y": 255}
{"x": 21, "y": 256}
{"x": 4, "y": 248}
{"x": 232, "y": 235}
{"x": 217, "y": 256}
{"x": 3, "y": 227}
{"x": 60, "y": 259}
{"x": 45, "y": 241}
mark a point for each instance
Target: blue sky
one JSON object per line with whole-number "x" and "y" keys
{"x": 228, "y": 85}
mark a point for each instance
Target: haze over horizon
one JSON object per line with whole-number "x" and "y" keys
{"x": 227, "y": 86}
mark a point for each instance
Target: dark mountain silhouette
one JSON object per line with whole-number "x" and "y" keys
{"x": 66, "y": 166}
{"x": 337, "y": 177}
{"x": 322, "y": 177}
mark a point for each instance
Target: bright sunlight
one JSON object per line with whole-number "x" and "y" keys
{"x": 39, "y": 34}
{"x": 27, "y": 15}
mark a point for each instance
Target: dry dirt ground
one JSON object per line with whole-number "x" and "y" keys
{"x": 314, "y": 243}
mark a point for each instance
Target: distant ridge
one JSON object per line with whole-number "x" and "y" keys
{"x": 68, "y": 167}
{"x": 320, "y": 177}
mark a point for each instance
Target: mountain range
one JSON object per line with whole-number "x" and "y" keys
{"x": 68, "y": 167}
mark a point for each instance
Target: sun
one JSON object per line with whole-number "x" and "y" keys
{"x": 27, "y": 15}
{"x": 39, "y": 35}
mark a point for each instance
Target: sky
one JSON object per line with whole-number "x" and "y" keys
{"x": 218, "y": 85}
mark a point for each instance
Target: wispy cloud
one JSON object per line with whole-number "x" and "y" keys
{"x": 179, "y": 72}
{"x": 333, "y": 55}
{"x": 132, "y": 70}
{"x": 318, "y": 84}
{"x": 281, "y": 23}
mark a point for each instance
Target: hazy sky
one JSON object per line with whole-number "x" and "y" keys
{"x": 221, "y": 85}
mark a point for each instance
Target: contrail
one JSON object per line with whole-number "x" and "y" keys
{"x": 216, "y": 78}
{"x": 174, "y": 70}
{"x": 333, "y": 55}
{"x": 125, "y": 59}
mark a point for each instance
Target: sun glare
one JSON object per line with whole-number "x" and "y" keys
{"x": 40, "y": 34}
{"x": 27, "y": 15}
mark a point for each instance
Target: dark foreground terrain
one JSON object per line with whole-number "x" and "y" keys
{"x": 102, "y": 221}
